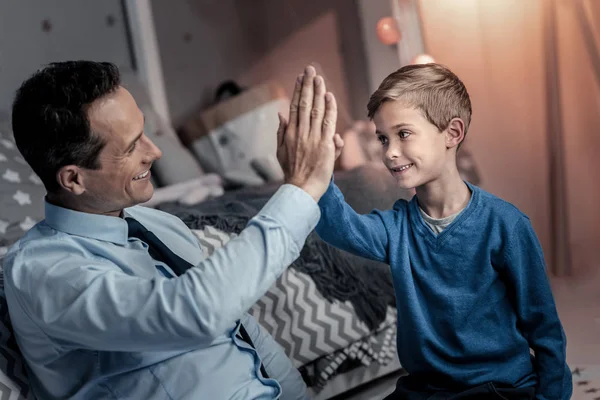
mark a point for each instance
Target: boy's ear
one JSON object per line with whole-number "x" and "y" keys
{"x": 455, "y": 132}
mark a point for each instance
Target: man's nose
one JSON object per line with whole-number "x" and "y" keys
{"x": 153, "y": 152}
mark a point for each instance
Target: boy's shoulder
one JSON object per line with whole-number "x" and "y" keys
{"x": 498, "y": 208}
{"x": 401, "y": 204}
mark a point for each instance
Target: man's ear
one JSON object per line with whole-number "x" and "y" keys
{"x": 71, "y": 179}
{"x": 455, "y": 133}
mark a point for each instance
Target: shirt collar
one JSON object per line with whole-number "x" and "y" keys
{"x": 94, "y": 226}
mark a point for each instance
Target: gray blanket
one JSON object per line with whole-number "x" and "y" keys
{"x": 338, "y": 275}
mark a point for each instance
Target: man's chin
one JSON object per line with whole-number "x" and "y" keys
{"x": 146, "y": 195}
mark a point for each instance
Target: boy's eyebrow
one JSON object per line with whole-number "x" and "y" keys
{"x": 397, "y": 126}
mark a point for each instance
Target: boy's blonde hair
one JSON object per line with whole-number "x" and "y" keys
{"x": 431, "y": 88}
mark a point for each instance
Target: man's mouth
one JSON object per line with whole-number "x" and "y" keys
{"x": 401, "y": 168}
{"x": 142, "y": 175}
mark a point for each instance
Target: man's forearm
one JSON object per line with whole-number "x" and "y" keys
{"x": 238, "y": 274}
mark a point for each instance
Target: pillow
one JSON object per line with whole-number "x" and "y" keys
{"x": 21, "y": 192}
{"x": 177, "y": 163}
{"x": 14, "y": 383}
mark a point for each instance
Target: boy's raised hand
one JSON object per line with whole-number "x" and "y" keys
{"x": 306, "y": 148}
{"x": 339, "y": 144}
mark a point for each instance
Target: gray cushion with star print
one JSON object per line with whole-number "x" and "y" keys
{"x": 21, "y": 192}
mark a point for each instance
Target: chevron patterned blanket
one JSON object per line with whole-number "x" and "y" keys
{"x": 323, "y": 337}
{"x": 328, "y": 309}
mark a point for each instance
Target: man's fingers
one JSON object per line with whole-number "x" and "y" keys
{"x": 294, "y": 105}
{"x": 281, "y": 130}
{"x": 306, "y": 100}
{"x": 318, "y": 107}
{"x": 330, "y": 118}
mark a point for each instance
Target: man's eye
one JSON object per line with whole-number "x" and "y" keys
{"x": 403, "y": 134}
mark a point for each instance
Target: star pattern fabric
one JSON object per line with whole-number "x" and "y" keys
{"x": 35, "y": 179}
{"x": 21, "y": 192}
{"x": 7, "y": 143}
{"x": 27, "y": 224}
{"x": 22, "y": 198}
{"x": 11, "y": 176}
{"x": 20, "y": 160}
{"x": 3, "y": 226}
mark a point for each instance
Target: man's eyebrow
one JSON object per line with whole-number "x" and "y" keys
{"x": 137, "y": 137}
{"x": 135, "y": 140}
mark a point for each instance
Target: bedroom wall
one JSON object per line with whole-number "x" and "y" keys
{"x": 580, "y": 91}
{"x": 36, "y": 32}
{"x": 381, "y": 59}
{"x": 478, "y": 41}
{"x": 497, "y": 48}
{"x": 204, "y": 42}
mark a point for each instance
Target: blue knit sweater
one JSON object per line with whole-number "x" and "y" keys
{"x": 471, "y": 301}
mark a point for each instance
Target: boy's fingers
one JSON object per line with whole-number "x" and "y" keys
{"x": 337, "y": 139}
{"x": 281, "y": 130}
{"x": 339, "y": 145}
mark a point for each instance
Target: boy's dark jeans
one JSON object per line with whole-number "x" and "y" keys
{"x": 408, "y": 388}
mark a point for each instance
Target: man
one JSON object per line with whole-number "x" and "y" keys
{"x": 113, "y": 300}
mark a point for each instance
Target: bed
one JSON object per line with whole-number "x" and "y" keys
{"x": 332, "y": 313}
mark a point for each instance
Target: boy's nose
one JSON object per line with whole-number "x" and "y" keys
{"x": 392, "y": 153}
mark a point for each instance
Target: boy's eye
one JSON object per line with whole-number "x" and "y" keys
{"x": 403, "y": 134}
{"x": 382, "y": 139}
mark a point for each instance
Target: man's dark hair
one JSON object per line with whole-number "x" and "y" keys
{"x": 49, "y": 116}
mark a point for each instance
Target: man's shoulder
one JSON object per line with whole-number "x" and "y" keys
{"x": 41, "y": 245}
{"x": 35, "y": 238}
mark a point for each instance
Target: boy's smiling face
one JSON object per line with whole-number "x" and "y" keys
{"x": 414, "y": 150}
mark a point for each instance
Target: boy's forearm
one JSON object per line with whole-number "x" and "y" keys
{"x": 536, "y": 311}
{"x": 342, "y": 227}
{"x": 547, "y": 339}
{"x": 550, "y": 362}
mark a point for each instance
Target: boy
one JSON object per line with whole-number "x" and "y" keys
{"x": 468, "y": 270}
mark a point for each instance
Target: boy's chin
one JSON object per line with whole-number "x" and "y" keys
{"x": 406, "y": 184}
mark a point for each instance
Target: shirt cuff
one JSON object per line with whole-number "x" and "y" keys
{"x": 296, "y": 210}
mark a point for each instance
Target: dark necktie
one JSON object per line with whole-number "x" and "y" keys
{"x": 159, "y": 251}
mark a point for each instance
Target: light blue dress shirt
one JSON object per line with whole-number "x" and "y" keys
{"x": 95, "y": 319}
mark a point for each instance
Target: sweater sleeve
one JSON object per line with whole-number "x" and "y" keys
{"x": 340, "y": 226}
{"x": 536, "y": 311}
